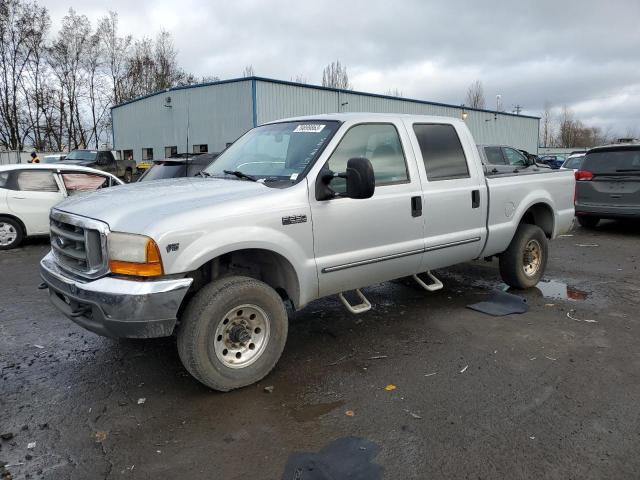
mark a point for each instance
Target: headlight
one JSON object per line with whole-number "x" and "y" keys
{"x": 136, "y": 255}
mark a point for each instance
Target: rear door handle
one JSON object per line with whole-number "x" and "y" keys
{"x": 475, "y": 198}
{"x": 416, "y": 206}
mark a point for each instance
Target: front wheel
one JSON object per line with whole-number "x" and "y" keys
{"x": 232, "y": 333}
{"x": 523, "y": 263}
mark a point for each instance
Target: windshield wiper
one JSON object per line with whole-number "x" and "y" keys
{"x": 239, "y": 174}
{"x": 204, "y": 174}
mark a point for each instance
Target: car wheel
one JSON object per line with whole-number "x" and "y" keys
{"x": 232, "y": 333}
{"x": 588, "y": 222}
{"x": 523, "y": 263}
{"x": 11, "y": 234}
{"x": 128, "y": 176}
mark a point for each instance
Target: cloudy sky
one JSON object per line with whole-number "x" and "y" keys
{"x": 583, "y": 54}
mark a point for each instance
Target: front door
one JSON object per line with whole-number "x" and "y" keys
{"x": 31, "y": 196}
{"x": 361, "y": 242}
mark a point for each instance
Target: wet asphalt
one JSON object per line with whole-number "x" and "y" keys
{"x": 552, "y": 393}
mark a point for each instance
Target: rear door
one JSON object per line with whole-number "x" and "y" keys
{"x": 31, "y": 195}
{"x": 454, "y": 199}
{"x": 616, "y": 177}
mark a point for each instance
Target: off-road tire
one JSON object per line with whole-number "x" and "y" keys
{"x": 512, "y": 260}
{"x": 19, "y": 232}
{"x": 588, "y": 221}
{"x": 204, "y": 314}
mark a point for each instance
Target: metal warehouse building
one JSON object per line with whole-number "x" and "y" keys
{"x": 208, "y": 116}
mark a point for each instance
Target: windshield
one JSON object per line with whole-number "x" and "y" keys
{"x": 613, "y": 162}
{"x": 162, "y": 170}
{"x": 86, "y": 155}
{"x": 279, "y": 151}
{"x": 573, "y": 162}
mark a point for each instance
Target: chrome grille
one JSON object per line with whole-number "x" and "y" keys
{"x": 79, "y": 244}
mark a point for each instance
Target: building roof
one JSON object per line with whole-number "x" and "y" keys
{"x": 318, "y": 87}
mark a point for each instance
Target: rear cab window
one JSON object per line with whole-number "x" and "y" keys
{"x": 615, "y": 161}
{"x": 442, "y": 152}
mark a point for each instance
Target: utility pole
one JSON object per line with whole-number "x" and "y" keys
{"x": 517, "y": 109}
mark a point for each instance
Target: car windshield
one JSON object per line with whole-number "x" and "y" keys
{"x": 50, "y": 159}
{"x": 88, "y": 155}
{"x": 165, "y": 169}
{"x": 573, "y": 162}
{"x": 279, "y": 151}
{"x": 619, "y": 161}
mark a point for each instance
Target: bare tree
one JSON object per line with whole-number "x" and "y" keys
{"x": 115, "y": 50}
{"x": 335, "y": 75}
{"x": 475, "y": 95}
{"x": 300, "y": 79}
{"x": 546, "y": 129}
{"x": 248, "y": 71}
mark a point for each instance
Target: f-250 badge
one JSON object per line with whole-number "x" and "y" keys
{"x": 294, "y": 219}
{"x": 173, "y": 247}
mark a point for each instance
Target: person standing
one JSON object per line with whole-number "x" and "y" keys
{"x": 34, "y": 158}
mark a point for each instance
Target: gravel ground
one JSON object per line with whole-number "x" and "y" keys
{"x": 552, "y": 393}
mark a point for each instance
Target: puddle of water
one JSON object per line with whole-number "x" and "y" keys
{"x": 307, "y": 413}
{"x": 556, "y": 289}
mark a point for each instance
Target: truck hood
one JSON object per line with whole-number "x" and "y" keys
{"x": 131, "y": 207}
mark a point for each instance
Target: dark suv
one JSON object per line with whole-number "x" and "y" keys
{"x": 608, "y": 184}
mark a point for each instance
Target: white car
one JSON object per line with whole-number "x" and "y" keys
{"x": 27, "y": 193}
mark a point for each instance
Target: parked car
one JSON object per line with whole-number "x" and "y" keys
{"x": 553, "y": 161}
{"x": 27, "y": 193}
{"x": 573, "y": 162}
{"x": 104, "y": 160}
{"x": 608, "y": 184}
{"x": 504, "y": 159}
{"x": 177, "y": 167}
{"x": 294, "y": 211}
{"x": 53, "y": 158}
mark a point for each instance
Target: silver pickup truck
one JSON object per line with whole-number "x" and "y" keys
{"x": 293, "y": 211}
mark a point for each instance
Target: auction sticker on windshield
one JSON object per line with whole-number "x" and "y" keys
{"x": 309, "y": 128}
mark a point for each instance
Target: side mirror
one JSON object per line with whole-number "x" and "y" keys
{"x": 360, "y": 179}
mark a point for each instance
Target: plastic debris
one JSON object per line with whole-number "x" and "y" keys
{"x": 390, "y": 387}
{"x": 566, "y": 235}
{"x": 38, "y": 346}
{"x": 269, "y": 389}
{"x": 532, "y": 438}
{"x": 414, "y": 415}
{"x": 349, "y": 413}
{"x": 464, "y": 369}
{"x": 587, "y": 245}
{"x": 550, "y": 358}
{"x": 100, "y": 436}
{"x": 378, "y": 357}
{"x": 141, "y": 401}
{"x": 31, "y": 445}
{"x": 430, "y": 374}
{"x": 579, "y": 319}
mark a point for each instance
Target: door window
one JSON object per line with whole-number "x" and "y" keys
{"x": 83, "y": 182}
{"x": 380, "y": 143}
{"x": 514, "y": 157}
{"x": 36, "y": 181}
{"x": 494, "y": 156}
{"x": 442, "y": 151}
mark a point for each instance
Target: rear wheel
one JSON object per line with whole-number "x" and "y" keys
{"x": 11, "y": 234}
{"x": 232, "y": 333}
{"x": 588, "y": 222}
{"x": 523, "y": 263}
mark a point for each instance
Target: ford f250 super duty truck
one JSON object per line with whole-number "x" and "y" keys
{"x": 293, "y": 211}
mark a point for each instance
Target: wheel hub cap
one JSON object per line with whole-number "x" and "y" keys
{"x": 532, "y": 258}
{"x": 8, "y": 234}
{"x": 241, "y": 336}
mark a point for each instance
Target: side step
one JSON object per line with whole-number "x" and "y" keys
{"x": 431, "y": 287}
{"x": 365, "y": 306}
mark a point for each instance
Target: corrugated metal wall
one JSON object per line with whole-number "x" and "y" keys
{"x": 275, "y": 100}
{"x": 217, "y": 114}
{"x": 220, "y": 113}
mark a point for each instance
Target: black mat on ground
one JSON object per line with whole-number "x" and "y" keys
{"x": 501, "y": 303}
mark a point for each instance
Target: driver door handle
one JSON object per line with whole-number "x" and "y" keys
{"x": 416, "y": 206}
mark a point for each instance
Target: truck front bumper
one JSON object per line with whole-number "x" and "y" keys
{"x": 116, "y": 307}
